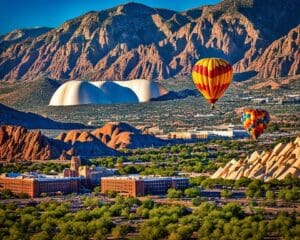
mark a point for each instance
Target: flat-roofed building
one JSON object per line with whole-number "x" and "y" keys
{"x": 35, "y": 184}
{"x": 210, "y": 134}
{"x": 137, "y": 185}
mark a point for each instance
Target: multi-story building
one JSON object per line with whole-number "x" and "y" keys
{"x": 230, "y": 133}
{"x": 35, "y": 184}
{"x": 142, "y": 185}
{"x": 68, "y": 182}
{"x": 90, "y": 176}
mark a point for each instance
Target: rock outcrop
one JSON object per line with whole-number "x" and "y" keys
{"x": 281, "y": 58}
{"x": 10, "y": 116}
{"x": 115, "y": 136}
{"x": 122, "y": 135}
{"x": 19, "y": 144}
{"x": 135, "y": 41}
{"x": 85, "y": 144}
{"x": 20, "y": 35}
{"x": 278, "y": 163}
{"x": 16, "y": 143}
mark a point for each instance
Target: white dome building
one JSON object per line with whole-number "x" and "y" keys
{"x": 106, "y": 92}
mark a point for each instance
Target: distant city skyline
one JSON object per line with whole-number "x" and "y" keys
{"x": 18, "y": 14}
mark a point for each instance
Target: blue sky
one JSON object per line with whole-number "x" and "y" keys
{"x": 15, "y": 14}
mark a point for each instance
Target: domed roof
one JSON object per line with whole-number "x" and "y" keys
{"x": 78, "y": 92}
{"x": 106, "y": 92}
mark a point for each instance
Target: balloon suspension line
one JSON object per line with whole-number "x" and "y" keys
{"x": 216, "y": 110}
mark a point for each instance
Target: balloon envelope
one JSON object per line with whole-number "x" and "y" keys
{"x": 255, "y": 121}
{"x": 212, "y": 76}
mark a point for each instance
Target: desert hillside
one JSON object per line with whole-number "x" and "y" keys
{"x": 10, "y": 116}
{"x": 278, "y": 163}
{"x": 19, "y": 144}
{"x": 116, "y": 136}
{"x": 135, "y": 41}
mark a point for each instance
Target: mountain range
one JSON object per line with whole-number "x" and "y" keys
{"x": 258, "y": 37}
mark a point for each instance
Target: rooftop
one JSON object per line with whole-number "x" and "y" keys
{"x": 36, "y": 176}
{"x": 145, "y": 178}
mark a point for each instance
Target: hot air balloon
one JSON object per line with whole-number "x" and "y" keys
{"x": 212, "y": 76}
{"x": 255, "y": 121}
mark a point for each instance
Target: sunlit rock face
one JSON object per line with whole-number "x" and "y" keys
{"x": 278, "y": 163}
{"x": 106, "y": 92}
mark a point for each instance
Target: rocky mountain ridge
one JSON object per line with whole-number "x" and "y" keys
{"x": 16, "y": 143}
{"x": 114, "y": 135}
{"x": 19, "y": 144}
{"x": 135, "y": 41}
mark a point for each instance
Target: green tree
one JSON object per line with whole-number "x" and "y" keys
{"x": 120, "y": 231}
{"x": 292, "y": 195}
{"x": 111, "y": 193}
{"x": 196, "y": 201}
{"x": 173, "y": 193}
{"x": 96, "y": 190}
{"x": 270, "y": 195}
{"x": 226, "y": 194}
{"x": 41, "y": 236}
{"x": 91, "y": 202}
{"x": 192, "y": 192}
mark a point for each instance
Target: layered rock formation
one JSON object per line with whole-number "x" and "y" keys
{"x": 122, "y": 135}
{"x": 113, "y": 135}
{"x": 135, "y": 41}
{"x": 20, "y": 35}
{"x": 19, "y": 144}
{"x": 85, "y": 144}
{"x": 278, "y": 163}
{"x": 281, "y": 58}
{"x": 10, "y": 116}
{"x": 16, "y": 143}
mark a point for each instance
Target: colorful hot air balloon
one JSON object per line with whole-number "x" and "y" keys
{"x": 255, "y": 121}
{"x": 212, "y": 76}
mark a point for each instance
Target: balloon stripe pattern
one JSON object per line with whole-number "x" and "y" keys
{"x": 255, "y": 121}
{"x": 212, "y": 76}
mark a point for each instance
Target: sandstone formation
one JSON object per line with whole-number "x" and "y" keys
{"x": 115, "y": 136}
{"x": 16, "y": 143}
{"x": 267, "y": 84}
{"x": 278, "y": 163}
{"x": 135, "y": 41}
{"x": 281, "y": 58}
{"x": 20, "y": 35}
{"x": 19, "y": 144}
{"x": 85, "y": 144}
{"x": 10, "y": 116}
{"x": 122, "y": 135}
{"x": 81, "y": 92}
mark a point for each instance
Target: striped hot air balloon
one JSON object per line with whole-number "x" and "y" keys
{"x": 212, "y": 76}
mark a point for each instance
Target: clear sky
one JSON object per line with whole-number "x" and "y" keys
{"x": 15, "y": 14}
